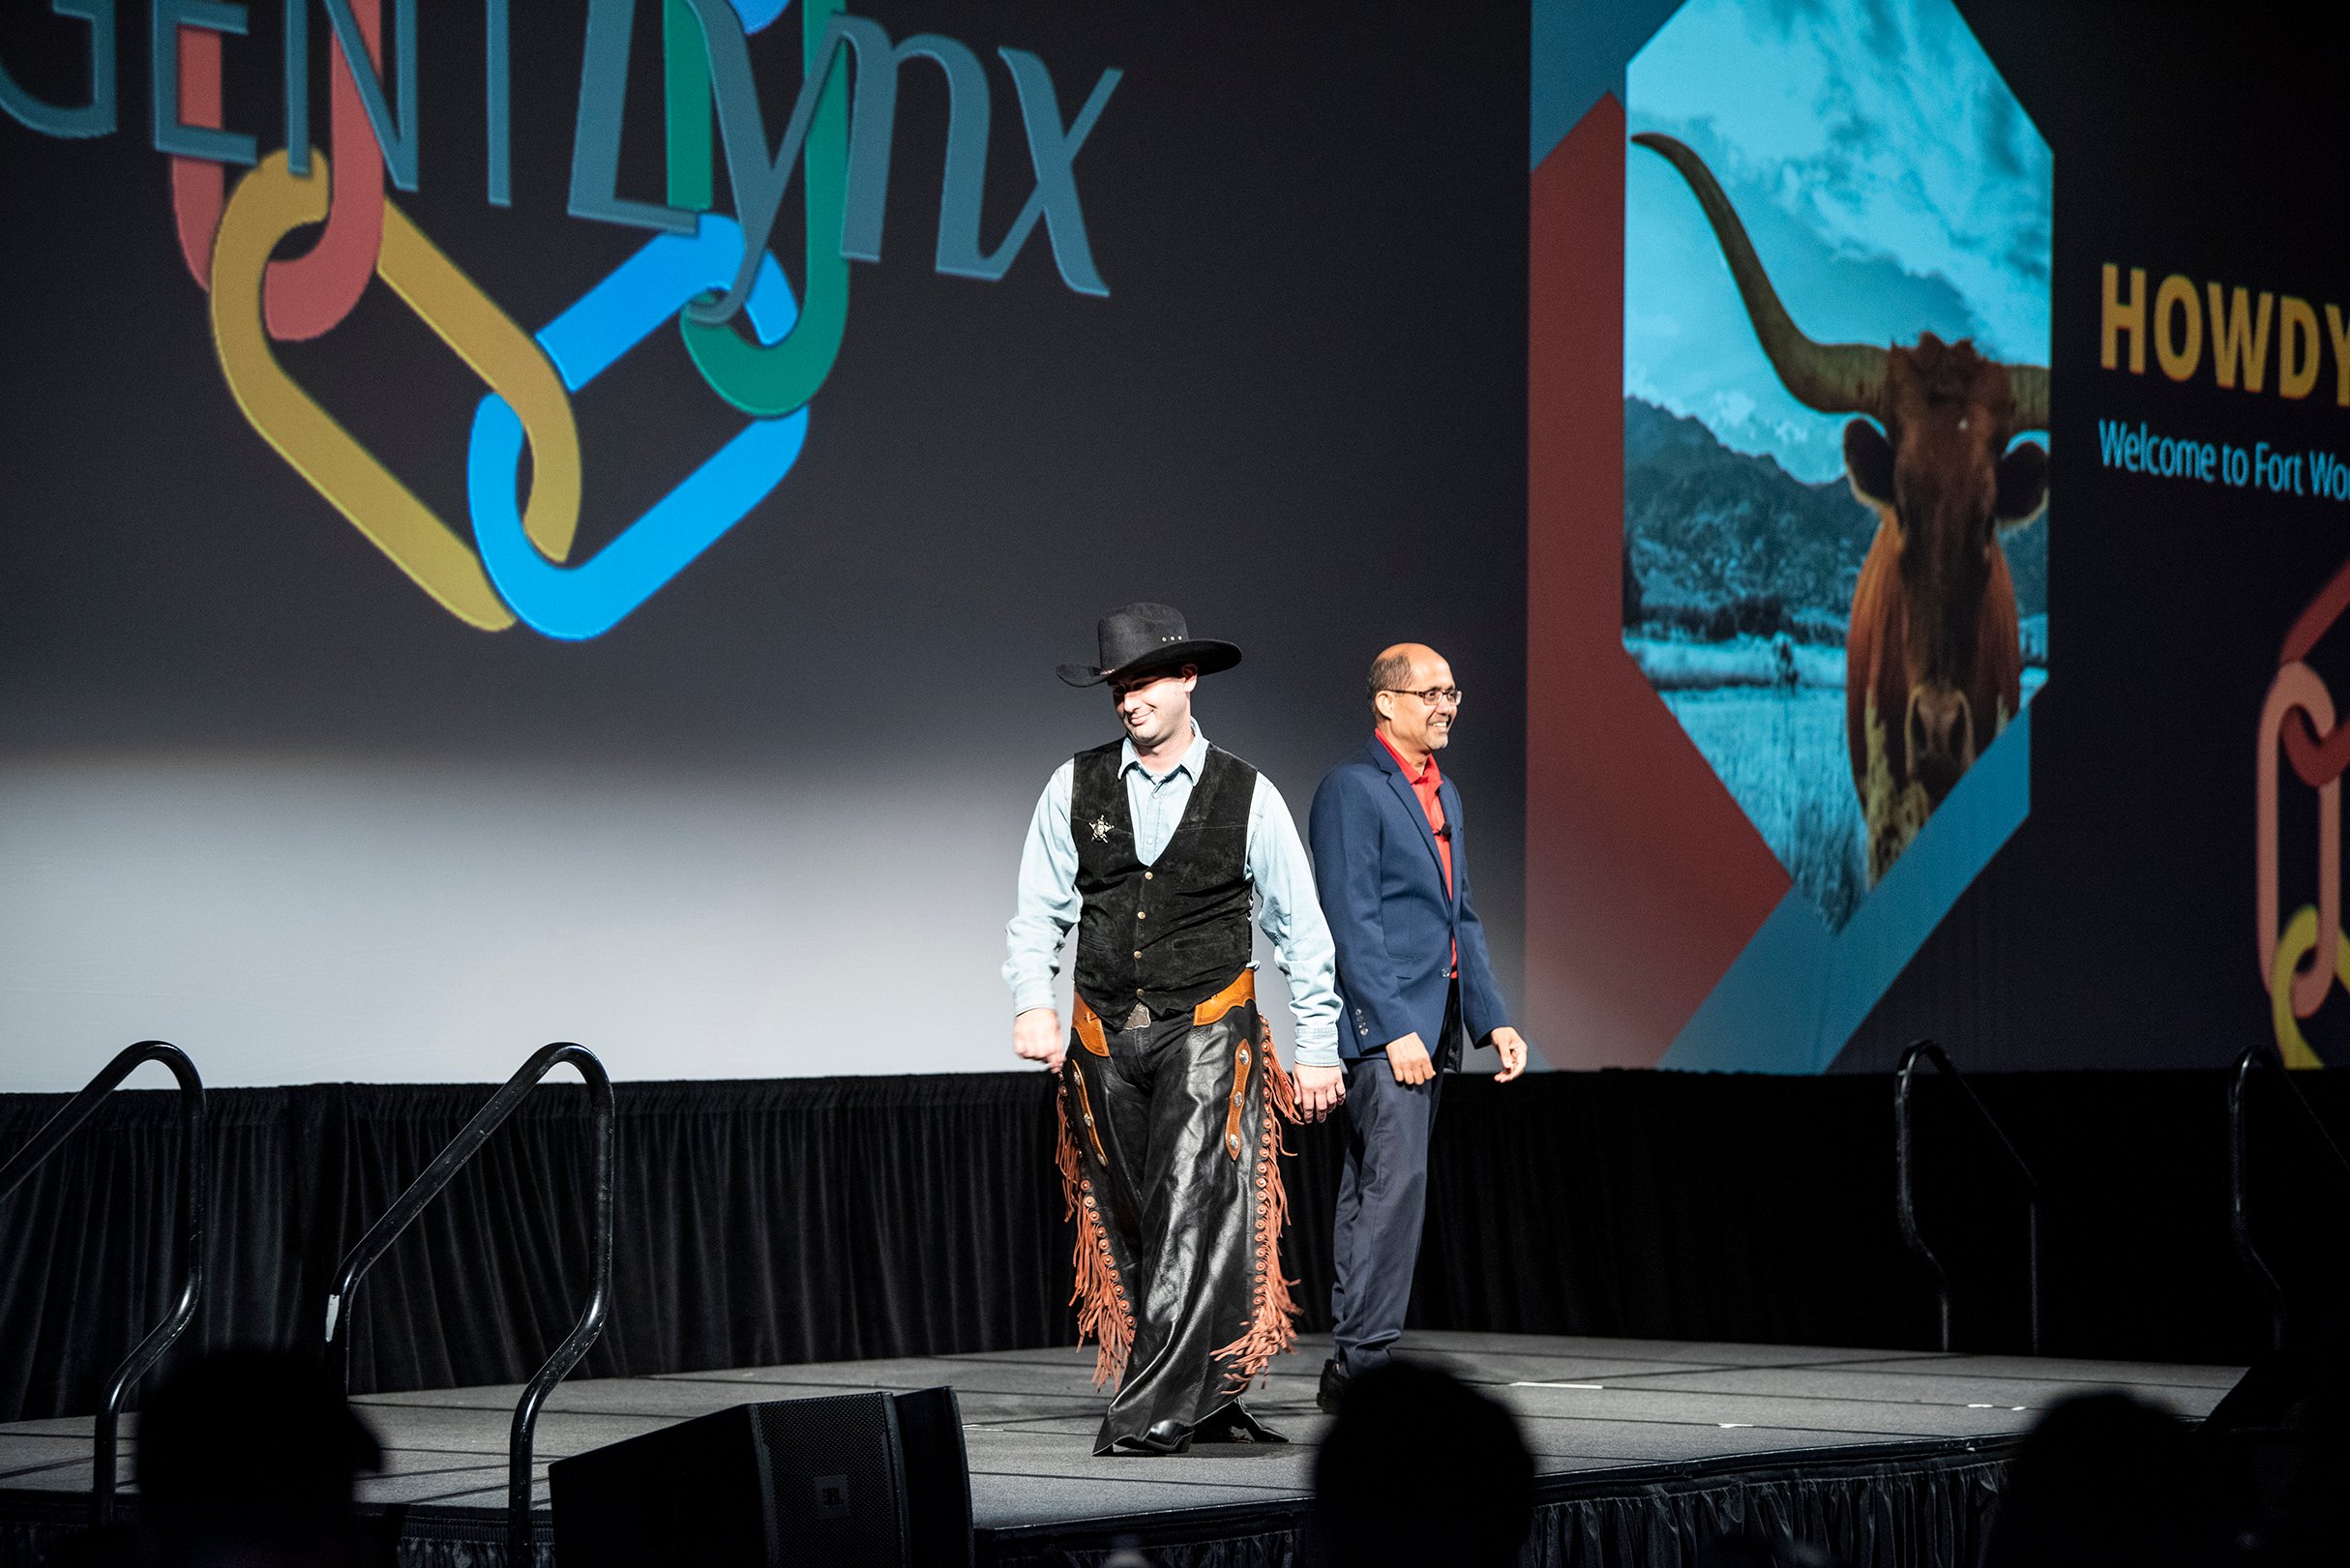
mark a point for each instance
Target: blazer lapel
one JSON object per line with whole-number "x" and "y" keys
{"x": 1412, "y": 807}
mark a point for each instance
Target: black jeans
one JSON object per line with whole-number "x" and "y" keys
{"x": 1180, "y": 1213}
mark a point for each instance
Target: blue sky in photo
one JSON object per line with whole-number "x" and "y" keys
{"x": 1891, "y": 182}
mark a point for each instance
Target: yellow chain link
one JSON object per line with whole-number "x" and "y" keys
{"x": 2299, "y": 939}
{"x": 268, "y": 204}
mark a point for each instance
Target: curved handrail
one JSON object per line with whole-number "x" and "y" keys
{"x": 424, "y": 1189}
{"x": 1905, "y": 1196}
{"x": 191, "y": 1227}
{"x": 2240, "y": 1224}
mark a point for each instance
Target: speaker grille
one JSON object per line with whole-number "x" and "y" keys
{"x": 834, "y": 1494}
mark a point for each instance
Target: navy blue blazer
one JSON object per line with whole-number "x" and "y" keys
{"x": 1383, "y": 890}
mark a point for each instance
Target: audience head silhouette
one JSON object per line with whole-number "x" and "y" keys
{"x": 251, "y": 1457}
{"x": 2283, "y": 1434}
{"x": 2109, "y": 1481}
{"x": 1418, "y": 1468}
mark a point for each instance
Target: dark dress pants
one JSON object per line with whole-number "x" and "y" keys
{"x": 1382, "y": 1197}
{"x": 1176, "y": 1157}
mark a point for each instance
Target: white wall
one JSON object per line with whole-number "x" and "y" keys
{"x": 293, "y": 921}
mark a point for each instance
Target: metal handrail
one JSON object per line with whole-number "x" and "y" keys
{"x": 2240, "y": 1224}
{"x": 191, "y": 1227}
{"x": 426, "y": 1187}
{"x": 1905, "y": 1196}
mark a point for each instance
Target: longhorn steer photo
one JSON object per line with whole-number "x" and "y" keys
{"x": 1933, "y": 636}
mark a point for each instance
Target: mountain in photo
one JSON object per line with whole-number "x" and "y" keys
{"x": 1705, "y": 526}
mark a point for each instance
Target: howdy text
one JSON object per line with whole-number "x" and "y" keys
{"x": 2181, "y": 319}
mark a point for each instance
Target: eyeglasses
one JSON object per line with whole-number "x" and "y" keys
{"x": 1434, "y": 697}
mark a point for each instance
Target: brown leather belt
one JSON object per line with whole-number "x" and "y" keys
{"x": 1091, "y": 1035}
{"x": 1243, "y": 989}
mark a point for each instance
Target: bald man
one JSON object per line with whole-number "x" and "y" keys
{"x": 1391, "y": 864}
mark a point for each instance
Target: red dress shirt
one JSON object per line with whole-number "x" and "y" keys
{"x": 1424, "y": 783}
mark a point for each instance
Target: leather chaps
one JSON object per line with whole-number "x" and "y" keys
{"x": 1170, "y": 1163}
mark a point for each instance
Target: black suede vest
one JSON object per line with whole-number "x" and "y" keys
{"x": 1172, "y": 934}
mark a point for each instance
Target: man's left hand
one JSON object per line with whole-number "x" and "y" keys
{"x": 1512, "y": 1048}
{"x": 1320, "y": 1090}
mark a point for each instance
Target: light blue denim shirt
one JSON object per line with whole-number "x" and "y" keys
{"x": 1287, "y": 908}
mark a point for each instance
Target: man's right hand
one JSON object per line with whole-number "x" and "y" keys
{"x": 1036, "y": 1036}
{"x": 1409, "y": 1059}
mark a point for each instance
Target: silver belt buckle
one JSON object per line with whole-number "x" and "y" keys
{"x": 1137, "y": 1019}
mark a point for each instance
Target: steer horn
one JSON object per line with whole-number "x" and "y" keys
{"x": 1835, "y": 378}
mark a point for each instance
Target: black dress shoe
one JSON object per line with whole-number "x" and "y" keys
{"x": 1334, "y": 1379}
{"x": 1234, "y": 1424}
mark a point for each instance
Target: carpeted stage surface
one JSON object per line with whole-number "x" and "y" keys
{"x": 1643, "y": 1447}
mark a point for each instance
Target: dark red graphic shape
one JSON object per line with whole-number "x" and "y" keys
{"x": 1644, "y": 880}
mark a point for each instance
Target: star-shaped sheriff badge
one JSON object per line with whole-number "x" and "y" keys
{"x": 1101, "y": 828}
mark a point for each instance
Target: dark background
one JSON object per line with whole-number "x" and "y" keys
{"x": 1297, "y": 414}
{"x": 2117, "y": 928}
{"x": 1299, "y": 417}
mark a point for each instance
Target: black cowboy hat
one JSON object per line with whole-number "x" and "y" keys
{"x": 1149, "y": 636}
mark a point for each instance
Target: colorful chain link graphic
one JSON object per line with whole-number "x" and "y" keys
{"x": 618, "y": 313}
{"x": 2298, "y": 721}
{"x": 309, "y": 295}
{"x": 270, "y": 203}
{"x": 521, "y": 569}
{"x": 767, "y": 379}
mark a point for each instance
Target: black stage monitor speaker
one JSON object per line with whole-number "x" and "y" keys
{"x": 852, "y": 1481}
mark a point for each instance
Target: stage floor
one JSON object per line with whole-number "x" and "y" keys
{"x": 1588, "y": 1407}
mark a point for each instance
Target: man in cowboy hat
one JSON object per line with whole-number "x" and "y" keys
{"x": 1152, "y": 846}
